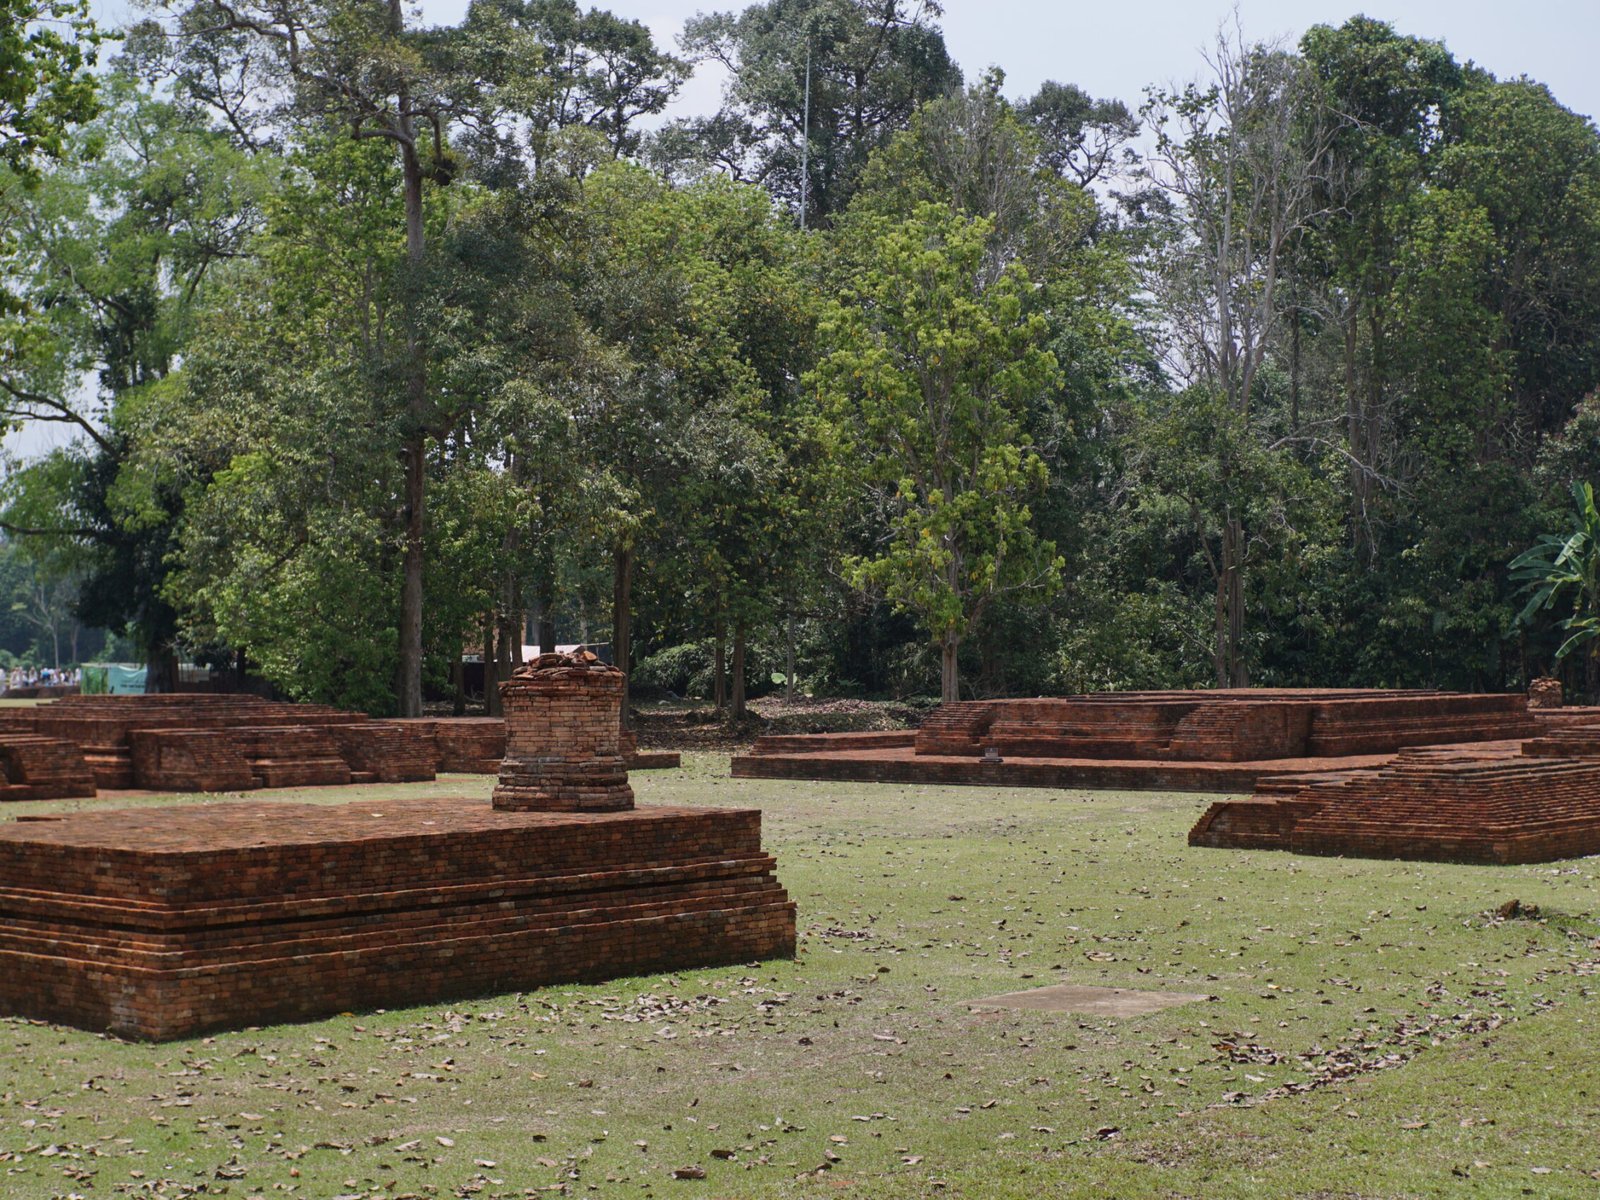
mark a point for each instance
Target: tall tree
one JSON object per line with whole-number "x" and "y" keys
{"x": 1240, "y": 156}
{"x": 357, "y": 65}
{"x": 115, "y": 253}
{"x": 932, "y": 363}
{"x": 48, "y": 50}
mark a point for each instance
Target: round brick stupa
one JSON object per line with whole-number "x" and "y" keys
{"x": 563, "y": 715}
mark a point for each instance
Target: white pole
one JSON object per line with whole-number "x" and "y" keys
{"x": 805, "y": 141}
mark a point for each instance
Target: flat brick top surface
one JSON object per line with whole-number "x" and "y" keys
{"x": 206, "y": 828}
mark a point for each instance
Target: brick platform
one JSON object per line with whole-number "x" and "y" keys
{"x": 1492, "y": 803}
{"x": 635, "y": 759}
{"x": 161, "y": 923}
{"x": 1192, "y": 741}
{"x": 209, "y": 743}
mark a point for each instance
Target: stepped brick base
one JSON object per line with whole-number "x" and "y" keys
{"x": 1489, "y": 804}
{"x": 904, "y": 766}
{"x": 39, "y": 768}
{"x": 1191, "y": 741}
{"x": 162, "y": 923}
{"x": 208, "y": 743}
{"x": 653, "y": 760}
{"x": 189, "y": 760}
{"x": 1240, "y": 725}
{"x": 387, "y": 751}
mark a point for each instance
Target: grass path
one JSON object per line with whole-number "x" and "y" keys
{"x": 1375, "y": 1032}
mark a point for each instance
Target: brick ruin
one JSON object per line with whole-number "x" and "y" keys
{"x": 1184, "y": 741}
{"x": 563, "y": 723}
{"x": 1414, "y": 775}
{"x": 217, "y": 743}
{"x": 1498, "y": 803}
{"x": 1545, "y": 692}
{"x": 79, "y": 745}
{"x": 164, "y": 923}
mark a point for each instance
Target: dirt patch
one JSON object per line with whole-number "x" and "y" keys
{"x": 1089, "y": 1001}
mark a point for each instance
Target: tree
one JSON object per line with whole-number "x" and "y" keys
{"x": 47, "y": 54}
{"x": 115, "y": 253}
{"x": 595, "y": 71}
{"x": 356, "y": 65}
{"x": 1240, "y": 157}
{"x": 872, "y": 63}
{"x": 1084, "y": 138}
{"x": 929, "y": 370}
{"x": 1389, "y": 93}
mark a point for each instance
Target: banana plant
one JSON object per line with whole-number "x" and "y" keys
{"x": 1562, "y": 568}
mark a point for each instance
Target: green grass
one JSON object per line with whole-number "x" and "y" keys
{"x": 1376, "y": 1032}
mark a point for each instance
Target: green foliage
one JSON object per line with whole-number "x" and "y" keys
{"x": 872, "y": 64}
{"x": 929, "y": 370}
{"x": 1291, "y": 407}
{"x": 1563, "y": 570}
{"x": 47, "y": 54}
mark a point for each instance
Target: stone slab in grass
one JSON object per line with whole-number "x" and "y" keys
{"x": 1089, "y": 1001}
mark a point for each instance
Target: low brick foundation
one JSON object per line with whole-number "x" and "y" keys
{"x": 464, "y": 745}
{"x": 1189, "y": 741}
{"x": 162, "y": 923}
{"x": 1489, "y": 804}
{"x": 1242, "y": 725}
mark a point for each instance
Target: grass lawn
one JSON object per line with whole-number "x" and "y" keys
{"x": 1375, "y": 1031}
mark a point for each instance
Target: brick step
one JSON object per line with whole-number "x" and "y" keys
{"x": 784, "y": 743}
{"x": 148, "y": 916}
{"x": 357, "y": 932}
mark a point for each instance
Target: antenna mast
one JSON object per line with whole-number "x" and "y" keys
{"x": 805, "y": 140}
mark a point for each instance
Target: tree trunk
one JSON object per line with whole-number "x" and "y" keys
{"x": 1355, "y": 436}
{"x": 458, "y": 685}
{"x": 161, "y": 671}
{"x": 719, "y": 673}
{"x": 413, "y": 454}
{"x": 1228, "y": 655}
{"x": 788, "y": 656}
{"x": 949, "y": 671}
{"x": 544, "y": 599}
{"x": 491, "y": 669}
{"x": 738, "y": 672}
{"x": 622, "y": 620}
{"x": 508, "y": 647}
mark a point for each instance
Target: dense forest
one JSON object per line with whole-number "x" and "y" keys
{"x": 382, "y": 343}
